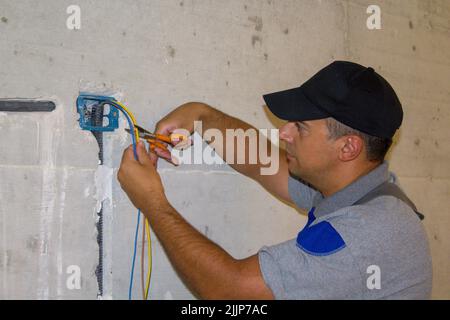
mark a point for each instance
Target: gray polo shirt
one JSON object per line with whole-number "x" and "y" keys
{"x": 379, "y": 249}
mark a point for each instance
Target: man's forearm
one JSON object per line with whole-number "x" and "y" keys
{"x": 212, "y": 118}
{"x": 205, "y": 267}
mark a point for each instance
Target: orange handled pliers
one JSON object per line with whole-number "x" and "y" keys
{"x": 158, "y": 140}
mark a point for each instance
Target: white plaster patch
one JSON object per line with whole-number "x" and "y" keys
{"x": 103, "y": 185}
{"x": 120, "y": 135}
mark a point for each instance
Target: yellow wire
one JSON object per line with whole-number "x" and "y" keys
{"x": 149, "y": 254}
{"x": 136, "y": 133}
{"x": 147, "y": 227}
{"x": 127, "y": 111}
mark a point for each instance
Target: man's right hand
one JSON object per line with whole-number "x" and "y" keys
{"x": 183, "y": 117}
{"x": 180, "y": 119}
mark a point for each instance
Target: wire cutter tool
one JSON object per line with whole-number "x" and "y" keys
{"x": 158, "y": 140}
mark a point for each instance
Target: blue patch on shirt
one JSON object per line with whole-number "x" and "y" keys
{"x": 321, "y": 239}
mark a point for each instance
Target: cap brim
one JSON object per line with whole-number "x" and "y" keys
{"x": 293, "y": 105}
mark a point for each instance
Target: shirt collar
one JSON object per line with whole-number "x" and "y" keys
{"x": 351, "y": 193}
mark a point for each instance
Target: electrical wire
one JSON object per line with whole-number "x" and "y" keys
{"x": 145, "y": 285}
{"x": 149, "y": 255}
{"x": 146, "y": 232}
{"x": 130, "y": 288}
{"x": 142, "y": 262}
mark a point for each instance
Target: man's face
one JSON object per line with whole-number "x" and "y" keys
{"x": 310, "y": 154}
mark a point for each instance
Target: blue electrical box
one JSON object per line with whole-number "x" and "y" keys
{"x": 97, "y": 113}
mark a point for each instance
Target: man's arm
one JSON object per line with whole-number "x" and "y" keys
{"x": 206, "y": 268}
{"x": 184, "y": 117}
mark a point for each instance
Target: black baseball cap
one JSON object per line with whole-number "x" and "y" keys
{"x": 348, "y": 92}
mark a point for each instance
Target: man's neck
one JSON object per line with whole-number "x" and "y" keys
{"x": 346, "y": 176}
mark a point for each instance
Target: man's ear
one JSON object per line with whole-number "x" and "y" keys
{"x": 351, "y": 147}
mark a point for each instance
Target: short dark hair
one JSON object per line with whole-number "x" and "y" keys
{"x": 376, "y": 148}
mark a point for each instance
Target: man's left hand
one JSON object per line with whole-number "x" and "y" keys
{"x": 139, "y": 178}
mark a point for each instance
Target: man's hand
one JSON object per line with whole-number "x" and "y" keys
{"x": 139, "y": 178}
{"x": 182, "y": 117}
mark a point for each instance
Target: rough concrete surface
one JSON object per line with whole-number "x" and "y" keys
{"x": 160, "y": 54}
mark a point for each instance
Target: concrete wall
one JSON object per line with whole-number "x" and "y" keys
{"x": 159, "y": 54}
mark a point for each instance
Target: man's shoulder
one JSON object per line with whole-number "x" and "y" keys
{"x": 382, "y": 219}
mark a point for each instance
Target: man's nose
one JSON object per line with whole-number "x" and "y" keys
{"x": 286, "y": 132}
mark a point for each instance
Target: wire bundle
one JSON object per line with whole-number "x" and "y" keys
{"x": 145, "y": 227}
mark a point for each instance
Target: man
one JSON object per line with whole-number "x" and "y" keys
{"x": 363, "y": 238}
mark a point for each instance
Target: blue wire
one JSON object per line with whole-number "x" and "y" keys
{"x": 134, "y": 255}
{"x": 131, "y": 126}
